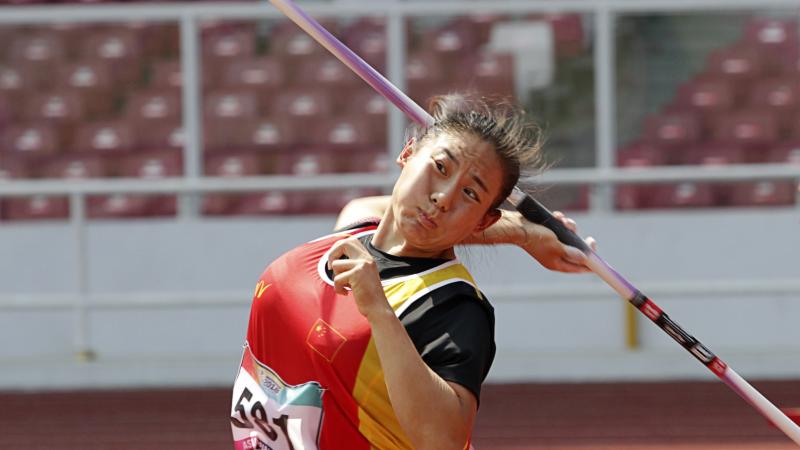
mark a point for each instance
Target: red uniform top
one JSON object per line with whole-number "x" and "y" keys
{"x": 310, "y": 375}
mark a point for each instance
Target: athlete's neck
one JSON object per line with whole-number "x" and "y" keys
{"x": 389, "y": 239}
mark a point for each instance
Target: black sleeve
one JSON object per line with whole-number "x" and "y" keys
{"x": 454, "y": 336}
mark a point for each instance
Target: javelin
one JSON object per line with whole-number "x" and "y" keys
{"x": 537, "y": 213}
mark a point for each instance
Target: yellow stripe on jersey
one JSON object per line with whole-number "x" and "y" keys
{"x": 377, "y": 421}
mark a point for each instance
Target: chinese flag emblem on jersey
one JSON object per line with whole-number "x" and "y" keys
{"x": 325, "y": 340}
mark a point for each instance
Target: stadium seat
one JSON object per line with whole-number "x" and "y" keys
{"x": 76, "y": 168}
{"x": 777, "y": 40}
{"x": 154, "y": 136}
{"x": 715, "y": 154}
{"x": 40, "y": 51}
{"x": 165, "y": 75}
{"x": 683, "y": 195}
{"x": 293, "y": 46}
{"x": 450, "y": 42}
{"x": 37, "y": 207}
{"x": 230, "y": 165}
{"x": 305, "y": 162}
{"x": 120, "y": 49}
{"x": 273, "y": 203}
{"x": 266, "y": 134}
{"x": 487, "y": 73}
{"x": 156, "y": 40}
{"x": 482, "y": 24}
{"x": 673, "y": 131}
{"x": 230, "y": 105}
{"x": 331, "y": 76}
{"x": 301, "y": 107}
{"x": 705, "y": 95}
{"x": 426, "y": 75}
{"x": 739, "y": 65}
{"x": 57, "y": 107}
{"x": 150, "y": 167}
{"x": 17, "y": 82}
{"x": 221, "y": 49}
{"x": 754, "y": 131}
{"x": 787, "y": 152}
{"x": 567, "y": 31}
{"x": 764, "y": 193}
{"x": 642, "y": 154}
{"x": 344, "y": 133}
{"x": 31, "y": 140}
{"x": 371, "y": 108}
{"x": 264, "y": 76}
{"x": 370, "y": 44}
{"x": 780, "y": 96}
{"x": 639, "y": 155}
{"x": 154, "y": 105}
{"x": 364, "y": 161}
{"x": 106, "y": 138}
{"x": 92, "y": 80}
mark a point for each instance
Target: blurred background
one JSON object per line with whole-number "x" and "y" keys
{"x": 155, "y": 157}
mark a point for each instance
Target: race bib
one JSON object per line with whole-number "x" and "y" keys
{"x": 267, "y": 413}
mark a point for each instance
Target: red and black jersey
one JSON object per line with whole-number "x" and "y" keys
{"x": 311, "y": 376}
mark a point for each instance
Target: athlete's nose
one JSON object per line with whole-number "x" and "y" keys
{"x": 442, "y": 200}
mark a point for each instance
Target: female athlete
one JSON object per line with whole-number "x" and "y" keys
{"x": 376, "y": 336}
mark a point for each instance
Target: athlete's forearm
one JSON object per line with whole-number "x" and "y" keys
{"x": 429, "y": 410}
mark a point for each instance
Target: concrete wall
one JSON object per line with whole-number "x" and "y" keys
{"x": 168, "y": 300}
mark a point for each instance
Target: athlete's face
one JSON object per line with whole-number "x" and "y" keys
{"x": 445, "y": 190}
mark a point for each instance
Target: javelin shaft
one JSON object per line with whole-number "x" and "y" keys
{"x": 537, "y": 213}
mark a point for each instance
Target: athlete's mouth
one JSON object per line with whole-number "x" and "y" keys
{"x": 427, "y": 221}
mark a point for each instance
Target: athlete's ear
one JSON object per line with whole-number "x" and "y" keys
{"x": 489, "y": 219}
{"x": 406, "y": 153}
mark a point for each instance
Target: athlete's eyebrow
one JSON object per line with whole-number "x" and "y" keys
{"x": 474, "y": 177}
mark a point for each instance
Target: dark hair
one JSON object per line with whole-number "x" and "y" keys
{"x": 516, "y": 139}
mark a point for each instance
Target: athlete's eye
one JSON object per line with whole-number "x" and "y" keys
{"x": 439, "y": 166}
{"x": 472, "y": 194}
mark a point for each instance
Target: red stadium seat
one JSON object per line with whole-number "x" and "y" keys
{"x": 371, "y": 108}
{"x": 293, "y": 45}
{"x": 76, "y": 168}
{"x": 450, "y": 41}
{"x": 567, "y": 32}
{"x": 57, "y": 107}
{"x": 166, "y": 75}
{"x": 301, "y": 107}
{"x": 93, "y": 81}
{"x": 638, "y": 155}
{"x": 777, "y": 40}
{"x": 154, "y": 105}
{"x": 329, "y": 75}
{"x": 151, "y": 167}
{"x": 683, "y": 195}
{"x": 715, "y": 154}
{"x": 305, "y": 163}
{"x": 788, "y": 152}
{"x": 641, "y": 154}
{"x": 370, "y": 44}
{"x": 33, "y": 139}
{"x": 738, "y": 64}
{"x": 38, "y": 207}
{"x": 673, "y": 130}
{"x": 426, "y": 75}
{"x": 489, "y": 74}
{"x": 156, "y": 40}
{"x": 705, "y": 95}
{"x": 42, "y": 51}
{"x": 150, "y": 136}
{"x": 764, "y": 193}
{"x": 104, "y": 138}
{"x": 221, "y": 49}
{"x": 364, "y": 161}
{"x": 120, "y": 49}
{"x": 780, "y": 96}
{"x": 230, "y": 105}
{"x": 230, "y": 165}
{"x": 17, "y": 82}
{"x": 754, "y": 131}
{"x": 273, "y": 203}
{"x": 482, "y": 24}
{"x": 345, "y": 133}
{"x": 265, "y": 134}
{"x": 264, "y": 76}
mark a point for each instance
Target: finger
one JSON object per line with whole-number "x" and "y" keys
{"x": 341, "y": 282}
{"x": 574, "y": 255}
{"x": 341, "y": 265}
{"x": 558, "y": 215}
{"x": 569, "y": 223}
{"x": 591, "y": 242}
